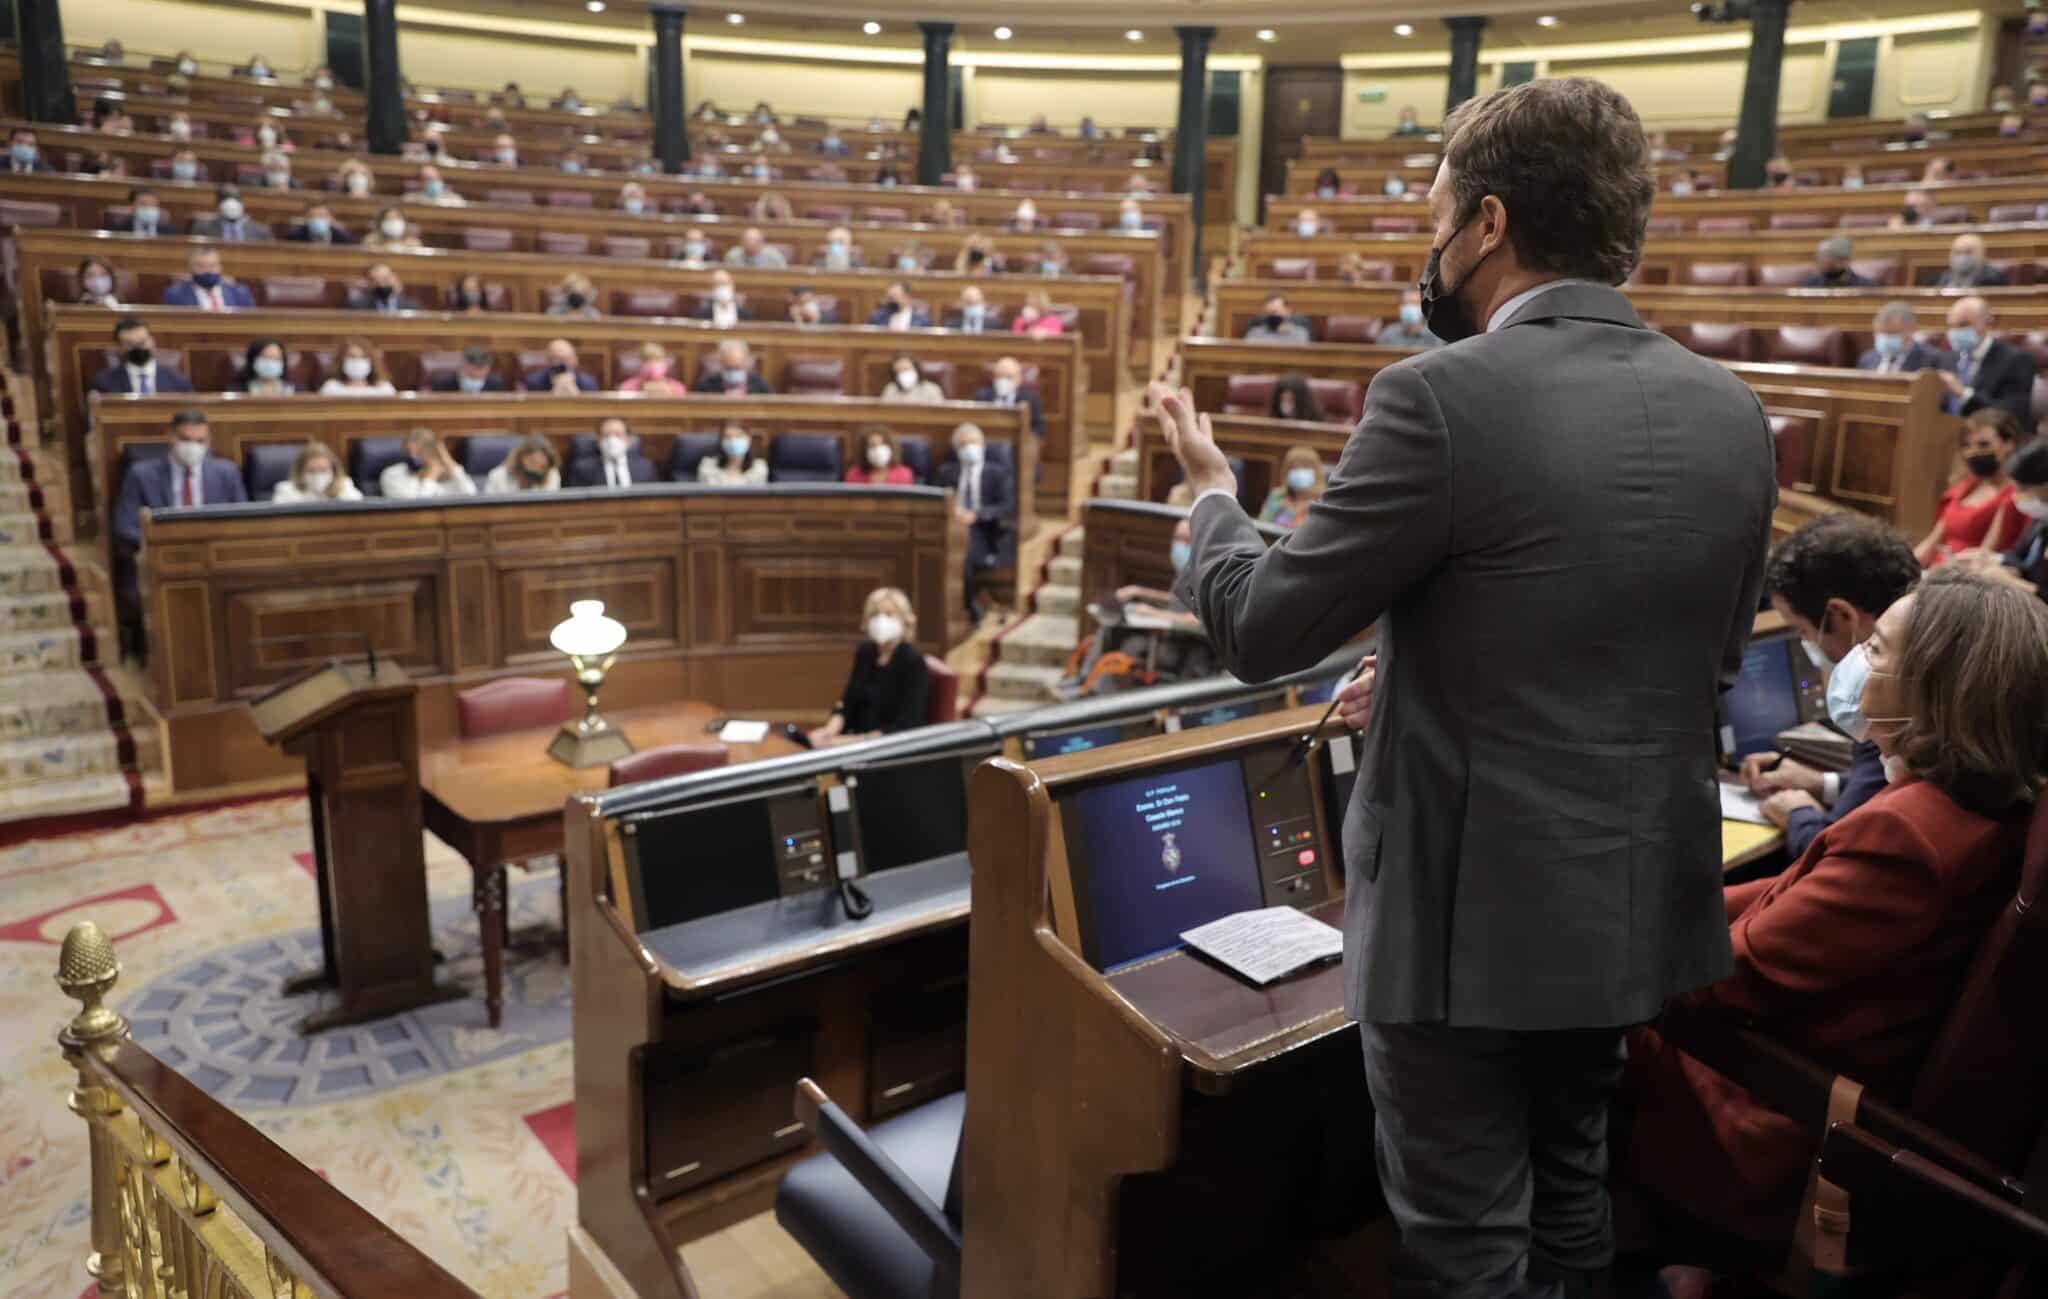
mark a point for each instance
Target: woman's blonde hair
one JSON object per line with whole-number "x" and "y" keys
{"x": 892, "y": 595}
{"x": 1973, "y": 680}
{"x": 316, "y": 451}
{"x": 527, "y": 446}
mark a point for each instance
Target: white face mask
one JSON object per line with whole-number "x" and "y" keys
{"x": 970, "y": 454}
{"x": 145, "y": 218}
{"x": 180, "y": 129}
{"x": 98, "y": 285}
{"x": 735, "y": 378}
{"x": 1006, "y": 387}
{"x": 359, "y": 184}
{"x": 266, "y": 136}
{"x": 615, "y": 447}
{"x": 356, "y": 367}
{"x": 231, "y": 209}
{"x": 1306, "y": 229}
{"x": 693, "y": 251}
{"x": 393, "y": 227}
{"x": 1027, "y": 214}
{"x": 906, "y": 379}
{"x": 885, "y": 629}
{"x": 735, "y": 448}
{"x": 318, "y": 481}
{"x": 190, "y": 454}
{"x": 880, "y": 456}
{"x": 722, "y": 294}
{"x": 278, "y": 179}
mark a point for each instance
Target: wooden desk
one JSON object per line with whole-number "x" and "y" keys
{"x": 499, "y": 800}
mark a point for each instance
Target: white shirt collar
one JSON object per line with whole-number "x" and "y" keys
{"x": 1506, "y": 311}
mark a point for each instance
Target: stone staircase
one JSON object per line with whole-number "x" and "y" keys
{"x": 1031, "y": 653}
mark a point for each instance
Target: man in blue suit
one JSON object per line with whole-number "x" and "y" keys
{"x": 985, "y": 499}
{"x": 899, "y": 311}
{"x": 189, "y": 477}
{"x": 1897, "y": 351}
{"x": 618, "y": 462}
{"x": 206, "y": 288}
{"x": 138, "y": 370}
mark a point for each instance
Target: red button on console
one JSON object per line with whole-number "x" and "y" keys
{"x": 1306, "y": 857}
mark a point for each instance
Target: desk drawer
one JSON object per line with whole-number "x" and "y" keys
{"x": 917, "y": 1045}
{"x": 714, "y": 1110}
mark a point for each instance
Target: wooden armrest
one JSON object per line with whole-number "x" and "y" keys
{"x": 881, "y": 1177}
{"x": 1944, "y": 1208}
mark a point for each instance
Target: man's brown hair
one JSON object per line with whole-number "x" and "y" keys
{"x": 1973, "y": 674}
{"x": 1567, "y": 158}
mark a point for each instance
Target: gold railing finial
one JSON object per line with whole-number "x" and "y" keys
{"x": 86, "y": 971}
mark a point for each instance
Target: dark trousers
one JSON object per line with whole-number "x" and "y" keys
{"x": 986, "y": 545}
{"x": 1492, "y": 1153}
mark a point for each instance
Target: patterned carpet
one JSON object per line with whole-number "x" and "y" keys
{"x": 454, "y": 1133}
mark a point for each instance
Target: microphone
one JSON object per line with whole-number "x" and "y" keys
{"x": 1307, "y": 743}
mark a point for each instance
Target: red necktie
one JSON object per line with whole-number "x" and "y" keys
{"x": 187, "y": 501}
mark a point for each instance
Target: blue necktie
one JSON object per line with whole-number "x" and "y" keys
{"x": 146, "y": 386}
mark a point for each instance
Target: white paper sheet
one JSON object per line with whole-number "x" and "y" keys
{"x": 1265, "y": 944}
{"x": 1738, "y": 804}
{"x": 737, "y": 732}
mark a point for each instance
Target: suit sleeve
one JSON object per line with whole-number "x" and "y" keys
{"x": 236, "y": 491}
{"x": 128, "y": 510}
{"x": 1743, "y": 621}
{"x": 998, "y": 497}
{"x": 1383, "y": 523}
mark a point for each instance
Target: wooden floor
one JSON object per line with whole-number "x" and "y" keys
{"x": 755, "y": 1259}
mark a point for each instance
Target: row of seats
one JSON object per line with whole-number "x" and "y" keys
{"x": 1882, "y": 271}
{"x": 793, "y": 457}
{"x": 1723, "y": 226}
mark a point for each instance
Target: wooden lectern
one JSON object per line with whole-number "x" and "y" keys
{"x": 355, "y": 726}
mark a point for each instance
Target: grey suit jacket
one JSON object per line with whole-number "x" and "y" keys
{"x": 1560, "y": 528}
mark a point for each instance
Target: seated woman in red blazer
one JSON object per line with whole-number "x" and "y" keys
{"x": 1854, "y": 956}
{"x": 878, "y": 462}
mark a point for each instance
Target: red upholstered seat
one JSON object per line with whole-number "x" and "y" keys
{"x": 1294, "y": 268}
{"x": 1878, "y": 270}
{"x": 1352, "y": 329}
{"x": 515, "y": 197}
{"x": 1725, "y": 225}
{"x": 2001, "y": 213}
{"x": 1342, "y": 400}
{"x": 1799, "y": 221}
{"x": 1887, "y": 176}
{"x": 571, "y": 198}
{"x": 1862, "y": 221}
{"x": 1782, "y": 275}
{"x": 1396, "y": 225}
{"x": 296, "y": 291}
{"x": 814, "y": 374}
{"x": 1121, "y": 265}
{"x": 668, "y": 760}
{"x": 1664, "y": 225}
{"x": 1375, "y": 272}
{"x": 886, "y": 216}
{"x": 944, "y": 702}
{"x": 2016, "y": 271}
{"x": 639, "y": 246}
{"x": 942, "y": 373}
{"x": 1077, "y": 220}
{"x": 1721, "y": 274}
{"x": 1248, "y": 394}
{"x": 487, "y": 239}
{"x": 646, "y": 302}
{"x": 512, "y": 704}
{"x": 16, "y": 212}
{"x": 829, "y": 212}
{"x": 1723, "y": 342}
{"x": 1810, "y": 345}
{"x": 1792, "y": 438}
{"x": 563, "y": 243}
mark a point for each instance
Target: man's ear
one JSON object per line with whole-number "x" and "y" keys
{"x": 1493, "y": 224}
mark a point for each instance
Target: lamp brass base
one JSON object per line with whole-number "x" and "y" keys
{"x": 575, "y": 747}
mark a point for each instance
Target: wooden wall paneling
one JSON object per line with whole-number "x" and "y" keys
{"x": 185, "y": 666}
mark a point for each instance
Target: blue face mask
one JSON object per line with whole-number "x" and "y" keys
{"x": 1411, "y": 315}
{"x": 1845, "y": 694}
{"x": 206, "y": 279}
{"x": 269, "y": 367}
{"x": 1301, "y": 479}
{"x": 184, "y": 170}
{"x": 1180, "y": 552}
{"x": 1962, "y": 339}
{"x": 25, "y": 154}
{"x": 734, "y": 448}
{"x": 1890, "y": 344}
{"x": 319, "y": 227}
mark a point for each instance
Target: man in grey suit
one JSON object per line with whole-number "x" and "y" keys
{"x": 1559, "y": 523}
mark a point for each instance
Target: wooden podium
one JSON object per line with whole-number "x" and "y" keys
{"x": 354, "y": 724}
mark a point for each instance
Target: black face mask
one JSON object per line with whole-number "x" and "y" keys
{"x": 1274, "y": 320}
{"x": 1981, "y": 465}
{"x": 464, "y": 298}
{"x": 1446, "y": 317}
{"x": 383, "y": 292}
{"x": 575, "y": 301}
{"x": 558, "y": 370}
{"x": 139, "y": 356}
{"x": 1912, "y": 215}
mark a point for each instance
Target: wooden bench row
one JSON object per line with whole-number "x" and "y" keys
{"x": 1877, "y": 443}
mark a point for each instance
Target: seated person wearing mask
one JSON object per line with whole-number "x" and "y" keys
{"x": 1180, "y": 550}
{"x": 561, "y": 375}
{"x": 807, "y": 308}
{"x": 1856, "y": 954}
{"x": 205, "y": 287}
{"x": 973, "y": 315}
{"x": 908, "y": 384}
{"x": 618, "y": 462}
{"x": 317, "y": 226}
{"x": 145, "y": 216}
{"x": 1293, "y": 399}
{"x": 384, "y": 293}
{"x": 394, "y": 232}
{"x": 1276, "y": 324}
{"x": 189, "y": 477}
{"x": 754, "y": 250}
{"x": 655, "y": 377}
{"x": 1036, "y": 317}
{"x": 840, "y": 253}
{"x": 1831, "y": 269}
{"x": 1830, "y": 581}
{"x": 426, "y": 472}
{"x": 575, "y": 296}
{"x": 735, "y": 465}
{"x": 475, "y": 374}
{"x": 316, "y": 476}
{"x": 889, "y": 689}
{"x": 431, "y": 188}
{"x": 1408, "y": 330}
{"x": 1005, "y": 388}
{"x": 898, "y": 311}
{"x": 723, "y": 308}
{"x": 1307, "y": 224}
{"x": 231, "y": 223}
{"x": 1967, "y": 268}
{"x": 1916, "y": 210}
{"x": 362, "y": 372}
{"x": 1977, "y": 510}
{"x": 735, "y": 375}
{"x": 878, "y": 466}
{"x": 1896, "y": 351}
{"x": 984, "y": 498}
{"x": 24, "y": 158}
{"x": 695, "y": 252}
{"x": 263, "y": 365}
{"x": 2025, "y": 563}
{"x": 1989, "y": 371}
{"x": 1301, "y": 484}
{"x": 533, "y": 466}
{"x": 138, "y": 370}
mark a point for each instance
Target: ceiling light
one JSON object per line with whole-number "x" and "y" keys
{"x": 736, "y": 19}
{"x": 1267, "y": 33}
{"x": 872, "y": 28}
{"x": 1003, "y": 33}
{"x": 594, "y": 6}
{"x": 1547, "y": 20}
{"x": 1134, "y": 35}
{"x": 1403, "y": 29}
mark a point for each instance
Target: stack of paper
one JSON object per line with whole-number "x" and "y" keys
{"x": 1263, "y": 945}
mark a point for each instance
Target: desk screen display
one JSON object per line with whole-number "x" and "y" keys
{"x": 1048, "y": 744}
{"x": 1230, "y": 711}
{"x": 704, "y": 861}
{"x": 1765, "y": 699}
{"x": 1159, "y": 853}
{"x": 911, "y": 812}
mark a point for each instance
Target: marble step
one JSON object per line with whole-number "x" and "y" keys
{"x": 61, "y": 703}
{"x": 1055, "y": 599}
{"x": 1031, "y": 684}
{"x": 990, "y": 706}
{"x": 41, "y": 611}
{"x": 98, "y": 793}
{"x": 58, "y": 758}
{"x": 1125, "y": 462}
{"x": 20, "y": 528}
{"x": 27, "y": 569}
{"x": 1063, "y": 570}
{"x": 25, "y": 654}
{"x": 1041, "y": 640}
{"x": 1072, "y": 541}
{"x": 1117, "y": 487}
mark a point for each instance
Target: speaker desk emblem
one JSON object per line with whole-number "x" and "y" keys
{"x": 1169, "y": 856}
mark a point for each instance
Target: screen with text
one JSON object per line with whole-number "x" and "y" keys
{"x": 1161, "y": 853}
{"x": 1765, "y": 699}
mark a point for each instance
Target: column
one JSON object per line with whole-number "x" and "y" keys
{"x": 671, "y": 134}
{"x": 935, "y": 137}
{"x": 1756, "y": 131}
{"x": 386, "y": 89}
{"x": 1464, "y": 60}
{"x": 1191, "y": 129}
{"x": 45, "y": 65}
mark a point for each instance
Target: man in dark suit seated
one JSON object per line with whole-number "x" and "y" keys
{"x": 138, "y": 370}
{"x": 24, "y": 158}
{"x": 190, "y": 476}
{"x": 1831, "y": 581}
{"x": 735, "y": 375}
{"x": 384, "y": 293}
{"x": 145, "y": 216}
{"x": 205, "y": 287}
{"x": 618, "y": 462}
{"x": 475, "y": 374}
{"x": 806, "y": 308}
{"x": 318, "y": 226}
{"x": 898, "y": 311}
{"x": 973, "y": 315}
{"x": 1006, "y": 389}
{"x": 1989, "y": 371}
{"x": 1967, "y": 268}
{"x": 561, "y": 375}
{"x": 984, "y": 498}
{"x": 1896, "y": 350}
{"x": 723, "y": 308}
{"x": 231, "y": 222}
{"x": 1831, "y": 266}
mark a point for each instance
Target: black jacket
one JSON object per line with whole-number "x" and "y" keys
{"x": 588, "y": 471}
{"x": 886, "y": 697}
{"x": 2004, "y": 378}
{"x": 336, "y": 236}
{"x": 998, "y": 491}
{"x": 714, "y": 382}
{"x": 452, "y": 383}
{"x": 987, "y": 392}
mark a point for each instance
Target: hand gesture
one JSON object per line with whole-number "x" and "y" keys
{"x": 1354, "y": 701}
{"x": 1779, "y": 806}
{"x": 1191, "y": 439}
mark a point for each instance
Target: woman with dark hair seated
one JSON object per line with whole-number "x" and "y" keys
{"x": 96, "y": 283}
{"x": 1293, "y": 399}
{"x": 2025, "y": 562}
{"x": 1855, "y": 955}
